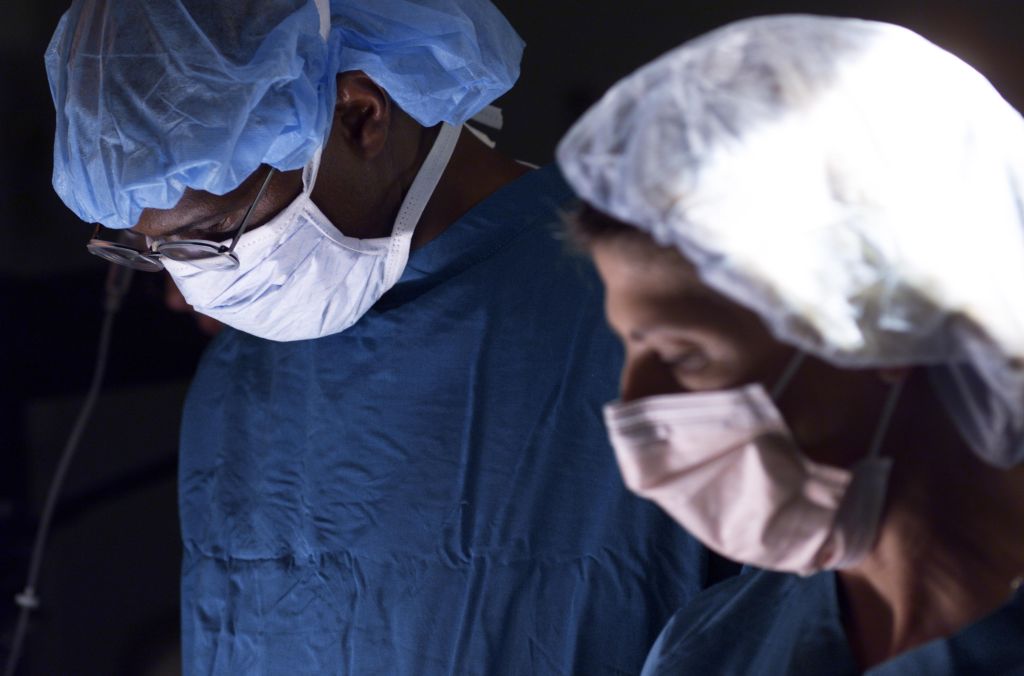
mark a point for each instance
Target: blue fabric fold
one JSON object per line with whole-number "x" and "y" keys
{"x": 432, "y": 490}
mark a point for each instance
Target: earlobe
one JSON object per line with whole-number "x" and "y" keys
{"x": 362, "y": 113}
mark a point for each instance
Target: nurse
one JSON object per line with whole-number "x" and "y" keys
{"x": 811, "y": 233}
{"x": 393, "y": 462}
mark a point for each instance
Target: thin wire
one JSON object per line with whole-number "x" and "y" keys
{"x": 887, "y": 412}
{"x": 27, "y": 599}
{"x": 795, "y": 362}
{"x": 248, "y": 212}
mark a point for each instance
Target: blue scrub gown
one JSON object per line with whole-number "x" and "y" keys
{"x": 430, "y": 491}
{"x": 773, "y": 624}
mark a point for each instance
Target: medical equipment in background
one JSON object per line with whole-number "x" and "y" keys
{"x": 118, "y": 281}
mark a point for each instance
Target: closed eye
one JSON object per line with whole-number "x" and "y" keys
{"x": 688, "y": 362}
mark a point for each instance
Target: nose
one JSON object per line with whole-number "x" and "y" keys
{"x": 646, "y": 375}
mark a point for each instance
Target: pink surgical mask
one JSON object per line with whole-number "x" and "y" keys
{"x": 724, "y": 465}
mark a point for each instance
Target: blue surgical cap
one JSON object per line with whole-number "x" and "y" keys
{"x": 156, "y": 96}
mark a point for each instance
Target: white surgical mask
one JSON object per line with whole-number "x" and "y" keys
{"x": 299, "y": 277}
{"x": 725, "y": 466}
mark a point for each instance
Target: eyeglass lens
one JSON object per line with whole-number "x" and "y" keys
{"x": 114, "y": 253}
{"x": 197, "y": 253}
{"x": 203, "y": 255}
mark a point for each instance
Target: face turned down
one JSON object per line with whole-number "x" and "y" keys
{"x": 371, "y": 157}
{"x": 680, "y": 335}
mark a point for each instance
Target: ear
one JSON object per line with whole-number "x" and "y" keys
{"x": 362, "y": 113}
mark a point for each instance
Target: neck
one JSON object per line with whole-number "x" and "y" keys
{"x": 949, "y": 548}
{"x": 362, "y": 197}
{"x": 473, "y": 174}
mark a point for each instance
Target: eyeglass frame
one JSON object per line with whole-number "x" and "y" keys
{"x": 122, "y": 254}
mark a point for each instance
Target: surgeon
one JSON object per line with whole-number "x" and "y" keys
{"x": 393, "y": 460}
{"x": 811, "y": 232}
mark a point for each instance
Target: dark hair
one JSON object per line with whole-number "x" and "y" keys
{"x": 587, "y": 226}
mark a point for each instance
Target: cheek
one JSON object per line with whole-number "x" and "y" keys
{"x": 833, "y": 412}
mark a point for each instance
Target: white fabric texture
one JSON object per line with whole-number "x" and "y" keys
{"x": 299, "y": 277}
{"x": 858, "y": 187}
{"x": 725, "y": 467}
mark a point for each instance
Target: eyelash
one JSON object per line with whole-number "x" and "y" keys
{"x": 683, "y": 362}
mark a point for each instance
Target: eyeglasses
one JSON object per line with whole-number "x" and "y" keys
{"x": 199, "y": 253}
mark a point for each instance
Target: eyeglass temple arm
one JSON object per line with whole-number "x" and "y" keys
{"x": 119, "y": 237}
{"x": 248, "y": 212}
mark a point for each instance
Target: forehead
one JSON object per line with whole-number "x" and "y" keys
{"x": 633, "y": 265}
{"x": 651, "y": 286}
{"x": 197, "y": 208}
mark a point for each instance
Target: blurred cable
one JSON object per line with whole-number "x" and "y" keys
{"x": 118, "y": 281}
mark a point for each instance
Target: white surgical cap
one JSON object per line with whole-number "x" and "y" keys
{"x": 156, "y": 96}
{"x": 858, "y": 187}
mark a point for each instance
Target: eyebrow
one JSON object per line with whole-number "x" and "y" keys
{"x": 202, "y": 223}
{"x": 673, "y": 329}
{"x": 641, "y": 333}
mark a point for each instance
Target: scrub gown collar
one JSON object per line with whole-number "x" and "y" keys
{"x": 490, "y": 225}
{"x": 992, "y": 645}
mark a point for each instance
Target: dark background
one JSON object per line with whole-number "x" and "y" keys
{"x": 110, "y": 584}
